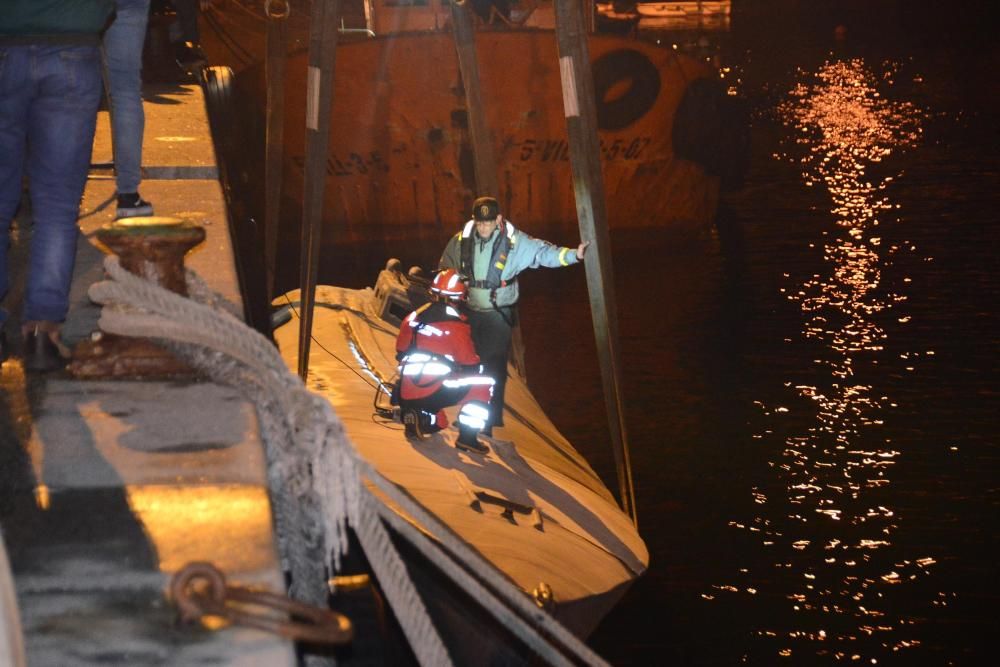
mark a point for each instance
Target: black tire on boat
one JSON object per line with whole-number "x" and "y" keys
{"x": 235, "y": 162}
{"x": 217, "y": 84}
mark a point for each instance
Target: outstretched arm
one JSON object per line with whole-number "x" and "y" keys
{"x": 531, "y": 253}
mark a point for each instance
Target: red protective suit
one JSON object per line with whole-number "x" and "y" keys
{"x": 438, "y": 364}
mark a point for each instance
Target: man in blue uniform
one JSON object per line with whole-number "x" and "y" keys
{"x": 490, "y": 252}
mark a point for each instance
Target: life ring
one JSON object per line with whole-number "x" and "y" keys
{"x": 613, "y": 68}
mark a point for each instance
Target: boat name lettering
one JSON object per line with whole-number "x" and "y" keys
{"x": 557, "y": 150}
{"x": 354, "y": 164}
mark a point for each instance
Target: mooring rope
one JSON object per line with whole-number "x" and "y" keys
{"x": 315, "y": 475}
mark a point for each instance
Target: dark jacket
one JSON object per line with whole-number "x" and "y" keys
{"x": 53, "y": 21}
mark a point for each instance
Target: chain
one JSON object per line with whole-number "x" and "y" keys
{"x": 199, "y": 589}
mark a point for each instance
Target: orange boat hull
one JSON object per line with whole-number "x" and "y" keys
{"x": 400, "y": 162}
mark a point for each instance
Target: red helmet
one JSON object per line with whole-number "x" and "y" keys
{"x": 449, "y": 284}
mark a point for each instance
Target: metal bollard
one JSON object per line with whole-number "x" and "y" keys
{"x": 153, "y": 248}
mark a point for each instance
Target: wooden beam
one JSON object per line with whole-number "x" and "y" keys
{"x": 468, "y": 64}
{"x": 274, "y": 65}
{"x": 588, "y": 187}
{"x": 484, "y": 160}
{"x": 319, "y": 101}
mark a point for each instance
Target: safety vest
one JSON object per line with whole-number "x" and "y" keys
{"x": 498, "y": 259}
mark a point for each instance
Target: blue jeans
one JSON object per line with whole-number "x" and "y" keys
{"x": 123, "y": 59}
{"x": 48, "y": 110}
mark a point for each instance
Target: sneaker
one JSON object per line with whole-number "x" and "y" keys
{"x": 41, "y": 353}
{"x": 131, "y": 205}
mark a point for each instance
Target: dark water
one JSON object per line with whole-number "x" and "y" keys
{"x": 812, "y": 403}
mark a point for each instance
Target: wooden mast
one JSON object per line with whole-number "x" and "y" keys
{"x": 319, "y": 100}
{"x": 277, "y": 45}
{"x": 588, "y": 187}
{"x": 468, "y": 64}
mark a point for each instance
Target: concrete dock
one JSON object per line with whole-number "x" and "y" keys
{"x": 109, "y": 487}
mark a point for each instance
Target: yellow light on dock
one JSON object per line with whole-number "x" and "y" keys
{"x": 228, "y": 525}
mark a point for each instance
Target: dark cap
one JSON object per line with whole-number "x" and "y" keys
{"x": 485, "y": 208}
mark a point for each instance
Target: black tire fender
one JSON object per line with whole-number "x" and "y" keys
{"x": 217, "y": 84}
{"x": 611, "y": 69}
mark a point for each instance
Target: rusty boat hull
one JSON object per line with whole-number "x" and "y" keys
{"x": 400, "y": 164}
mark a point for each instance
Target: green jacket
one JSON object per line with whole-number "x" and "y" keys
{"x": 525, "y": 252}
{"x": 21, "y": 21}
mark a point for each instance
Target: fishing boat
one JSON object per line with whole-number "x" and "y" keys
{"x": 689, "y": 8}
{"x": 400, "y": 163}
{"x": 532, "y": 506}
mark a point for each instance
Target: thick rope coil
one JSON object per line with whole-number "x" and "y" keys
{"x": 205, "y": 337}
{"x": 200, "y": 291}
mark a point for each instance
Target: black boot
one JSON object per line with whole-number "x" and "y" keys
{"x": 41, "y": 354}
{"x": 411, "y": 424}
{"x": 4, "y": 350}
{"x": 467, "y": 439}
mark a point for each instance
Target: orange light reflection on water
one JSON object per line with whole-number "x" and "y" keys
{"x": 824, "y": 517}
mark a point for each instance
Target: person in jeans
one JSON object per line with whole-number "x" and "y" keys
{"x": 123, "y": 43}
{"x": 50, "y": 87}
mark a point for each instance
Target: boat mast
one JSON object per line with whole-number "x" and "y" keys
{"x": 274, "y": 65}
{"x": 319, "y": 100}
{"x": 591, "y": 208}
{"x": 468, "y": 64}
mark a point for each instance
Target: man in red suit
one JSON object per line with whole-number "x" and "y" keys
{"x": 439, "y": 367}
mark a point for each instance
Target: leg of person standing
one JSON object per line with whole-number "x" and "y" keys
{"x": 123, "y": 42}
{"x": 62, "y": 115}
{"x": 491, "y": 335}
{"x": 15, "y": 100}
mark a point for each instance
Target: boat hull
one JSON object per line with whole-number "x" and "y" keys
{"x": 531, "y": 506}
{"x": 400, "y": 159}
